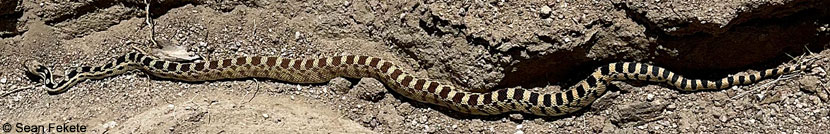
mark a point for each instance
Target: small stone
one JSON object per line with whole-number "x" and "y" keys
{"x": 339, "y": 85}
{"x": 723, "y": 118}
{"x": 545, "y": 11}
{"x": 516, "y": 117}
{"x": 671, "y": 107}
{"x": 760, "y": 96}
{"x": 650, "y": 97}
{"x": 520, "y": 126}
{"x": 810, "y": 84}
{"x": 3, "y": 80}
{"x": 265, "y": 115}
{"x": 109, "y": 124}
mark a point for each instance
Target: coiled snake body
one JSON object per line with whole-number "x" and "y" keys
{"x": 321, "y": 70}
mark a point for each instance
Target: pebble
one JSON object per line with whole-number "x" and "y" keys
{"x": 109, "y": 124}
{"x": 265, "y": 115}
{"x": 520, "y": 126}
{"x": 423, "y": 119}
{"x": 650, "y": 97}
{"x": 723, "y": 118}
{"x": 3, "y": 80}
{"x": 545, "y": 11}
{"x": 516, "y": 117}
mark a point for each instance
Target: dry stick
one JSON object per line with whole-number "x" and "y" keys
{"x": 18, "y": 90}
{"x": 149, "y": 23}
{"x": 139, "y": 50}
{"x": 765, "y": 85}
{"x": 255, "y": 91}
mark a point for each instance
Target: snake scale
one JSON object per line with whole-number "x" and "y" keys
{"x": 321, "y": 70}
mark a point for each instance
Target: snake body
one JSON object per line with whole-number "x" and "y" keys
{"x": 321, "y": 70}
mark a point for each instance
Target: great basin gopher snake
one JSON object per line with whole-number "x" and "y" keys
{"x": 324, "y": 69}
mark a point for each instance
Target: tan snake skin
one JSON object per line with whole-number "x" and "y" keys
{"x": 324, "y": 69}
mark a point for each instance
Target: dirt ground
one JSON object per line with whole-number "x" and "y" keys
{"x": 481, "y": 45}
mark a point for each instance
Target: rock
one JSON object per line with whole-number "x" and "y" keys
{"x": 109, "y": 125}
{"x": 772, "y": 99}
{"x": 545, "y": 11}
{"x": 637, "y": 114}
{"x": 650, "y": 97}
{"x": 516, "y": 117}
{"x": 171, "y": 106}
{"x": 810, "y": 84}
{"x": 368, "y": 89}
{"x": 339, "y": 85}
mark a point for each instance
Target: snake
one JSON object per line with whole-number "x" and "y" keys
{"x": 321, "y": 70}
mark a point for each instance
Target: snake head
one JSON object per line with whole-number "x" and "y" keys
{"x": 34, "y": 68}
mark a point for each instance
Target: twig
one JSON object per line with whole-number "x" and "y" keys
{"x": 18, "y": 90}
{"x": 149, "y": 23}
{"x": 791, "y": 56}
{"x": 776, "y": 80}
{"x": 139, "y": 50}
{"x": 765, "y": 85}
{"x": 808, "y": 49}
{"x": 255, "y": 91}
